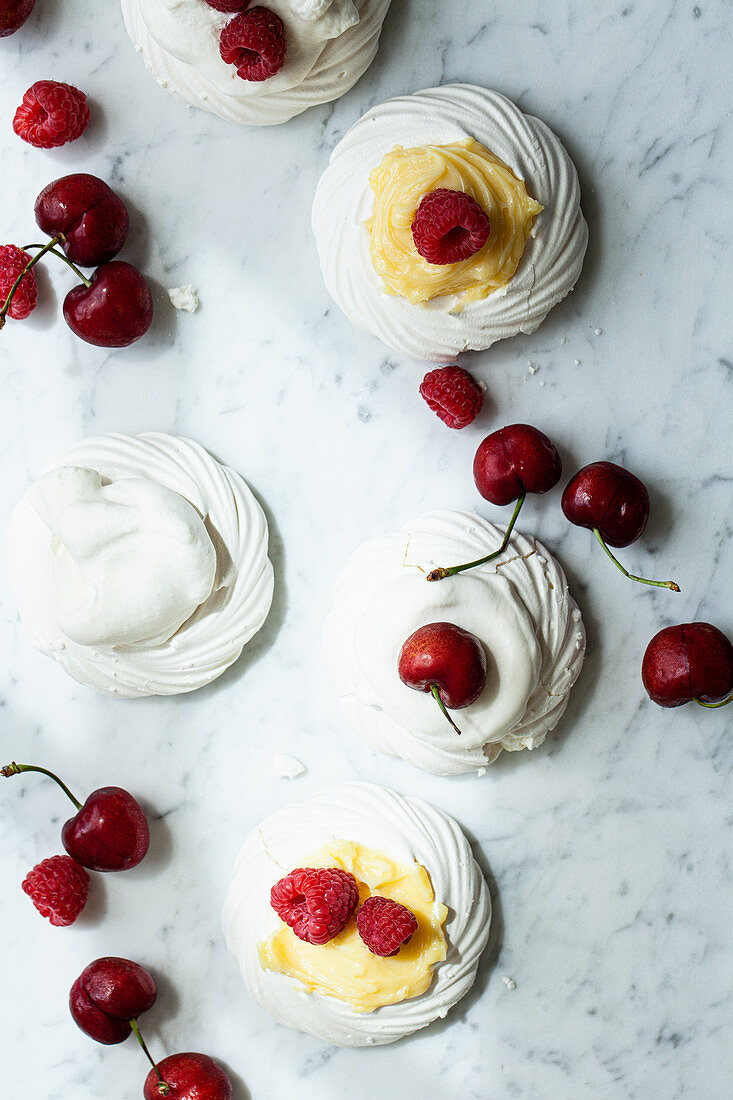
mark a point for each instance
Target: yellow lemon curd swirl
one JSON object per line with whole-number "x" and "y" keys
{"x": 404, "y": 177}
{"x": 344, "y": 967}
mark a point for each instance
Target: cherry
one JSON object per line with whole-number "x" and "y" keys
{"x": 92, "y": 219}
{"x": 508, "y": 464}
{"x": 108, "y": 996}
{"x": 13, "y": 14}
{"x": 445, "y": 661}
{"x": 188, "y": 1077}
{"x": 689, "y": 661}
{"x": 110, "y": 831}
{"x": 612, "y": 503}
{"x": 113, "y": 309}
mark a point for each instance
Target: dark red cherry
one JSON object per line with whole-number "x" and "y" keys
{"x": 107, "y": 995}
{"x": 92, "y": 218}
{"x": 114, "y": 311}
{"x": 13, "y": 14}
{"x": 443, "y": 660}
{"x": 109, "y": 833}
{"x": 188, "y": 1077}
{"x": 689, "y": 661}
{"x": 610, "y": 499}
{"x": 515, "y": 460}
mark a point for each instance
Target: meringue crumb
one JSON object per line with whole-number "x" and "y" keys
{"x": 184, "y": 297}
{"x": 509, "y": 982}
{"x": 533, "y": 367}
{"x": 599, "y": 332}
{"x": 577, "y": 362}
{"x": 287, "y": 767}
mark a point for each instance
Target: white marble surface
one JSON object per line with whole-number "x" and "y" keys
{"x": 610, "y": 847}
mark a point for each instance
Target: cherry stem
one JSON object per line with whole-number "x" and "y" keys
{"x": 435, "y": 692}
{"x": 61, "y": 256}
{"x": 714, "y": 706}
{"x": 163, "y": 1088}
{"x": 31, "y": 263}
{"x": 16, "y": 769}
{"x": 672, "y": 585}
{"x": 450, "y": 571}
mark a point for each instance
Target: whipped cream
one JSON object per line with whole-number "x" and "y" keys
{"x": 330, "y": 44}
{"x": 518, "y": 606}
{"x": 442, "y": 328}
{"x": 140, "y": 565}
{"x": 408, "y": 830}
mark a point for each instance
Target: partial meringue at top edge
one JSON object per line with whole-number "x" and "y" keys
{"x": 404, "y": 829}
{"x": 330, "y": 44}
{"x": 518, "y": 606}
{"x": 440, "y": 329}
{"x": 140, "y": 564}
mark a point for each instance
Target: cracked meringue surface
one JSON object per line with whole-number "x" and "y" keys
{"x": 518, "y": 606}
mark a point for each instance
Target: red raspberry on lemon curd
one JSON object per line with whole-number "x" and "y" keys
{"x": 12, "y": 262}
{"x": 58, "y": 888}
{"x": 453, "y": 394}
{"x": 449, "y": 226}
{"x": 51, "y": 114}
{"x": 316, "y": 902}
{"x": 254, "y": 42}
{"x": 385, "y": 926}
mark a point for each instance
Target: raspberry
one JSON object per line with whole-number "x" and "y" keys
{"x": 385, "y": 926}
{"x": 316, "y": 902}
{"x": 12, "y": 262}
{"x": 51, "y": 114}
{"x": 254, "y": 42}
{"x": 449, "y": 226}
{"x": 453, "y": 394}
{"x": 230, "y": 6}
{"x": 58, "y": 888}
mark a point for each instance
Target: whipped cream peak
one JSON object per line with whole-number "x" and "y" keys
{"x": 140, "y": 564}
{"x": 341, "y": 14}
{"x": 131, "y": 560}
{"x": 344, "y": 205}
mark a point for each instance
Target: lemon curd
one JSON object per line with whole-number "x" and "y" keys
{"x": 344, "y": 967}
{"x": 404, "y": 177}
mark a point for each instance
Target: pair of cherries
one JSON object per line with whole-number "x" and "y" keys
{"x": 105, "y": 1002}
{"x": 89, "y": 221}
{"x": 681, "y": 663}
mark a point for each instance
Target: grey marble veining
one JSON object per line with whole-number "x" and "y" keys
{"x": 610, "y": 847}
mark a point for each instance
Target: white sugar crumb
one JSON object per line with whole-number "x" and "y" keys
{"x": 184, "y": 297}
{"x": 509, "y": 982}
{"x": 287, "y": 767}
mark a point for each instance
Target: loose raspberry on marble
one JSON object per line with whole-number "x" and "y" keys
{"x": 12, "y": 262}
{"x": 453, "y": 394}
{"x": 316, "y": 902}
{"x": 58, "y": 888}
{"x": 449, "y": 226}
{"x": 229, "y": 6}
{"x": 51, "y": 114}
{"x": 254, "y": 42}
{"x": 385, "y": 926}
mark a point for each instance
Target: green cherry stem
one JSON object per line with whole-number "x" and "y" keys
{"x": 642, "y": 580}
{"x": 16, "y": 769}
{"x": 31, "y": 263}
{"x": 435, "y": 692}
{"x": 163, "y": 1088}
{"x": 60, "y": 256}
{"x": 450, "y": 571}
{"x": 714, "y": 706}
